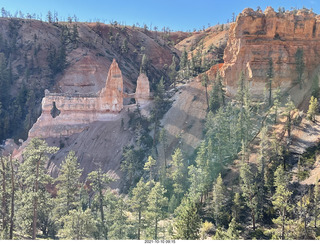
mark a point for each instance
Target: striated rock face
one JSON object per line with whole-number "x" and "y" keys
{"x": 65, "y": 114}
{"x": 143, "y": 89}
{"x": 257, "y": 37}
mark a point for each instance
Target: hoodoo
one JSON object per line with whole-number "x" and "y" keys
{"x": 65, "y": 114}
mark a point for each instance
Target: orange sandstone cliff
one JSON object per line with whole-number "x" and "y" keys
{"x": 256, "y": 37}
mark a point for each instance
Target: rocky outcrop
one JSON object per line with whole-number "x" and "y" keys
{"x": 257, "y": 37}
{"x": 111, "y": 96}
{"x": 64, "y": 114}
{"x": 142, "y": 94}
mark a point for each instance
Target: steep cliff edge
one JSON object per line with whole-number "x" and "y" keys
{"x": 257, "y": 37}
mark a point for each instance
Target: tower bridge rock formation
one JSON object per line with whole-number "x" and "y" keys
{"x": 256, "y": 37}
{"x": 65, "y": 114}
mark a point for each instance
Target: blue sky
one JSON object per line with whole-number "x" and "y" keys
{"x": 175, "y": 14}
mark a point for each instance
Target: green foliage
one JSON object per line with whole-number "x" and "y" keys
{"x": 219, "y": 201}
{"x": 217, "y": 95}
{"x": 313, "y": 108}
{"x": 179, "y": 173}
{"x": 156, "y": 209}
{"x": 249, "y": 187}
{"x": 138, "y": 204}
{"x": 78, "y": 225}
{"x": 187, "y": 223}
{"x": 57, "y": 59}
{"x": 33, "y": 181}
{"x": 281, "y": 201}
{"x": 173, "y": 71}
{"x": 68, "y": 186}
{"x": 315, "y": 87}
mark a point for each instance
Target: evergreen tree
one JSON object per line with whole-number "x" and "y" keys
{"x": 281, "y": 199}
{"x": 144, "y": 64}
{"x": 236, "y": 207}
{"x": 138, "y": 204}
{"x": 187, "y": 222}
{"x": 149, "y": 166}
{"x": 288, "y": 110}
{"x": 78, "y": 225}
{"x": 313, "y": 107}
{"x": 173, "y": 71}
{"x": 315, "y": 87}
{"x": 33, "y": 180}
{"x": 198, "y": 184}
{"x": 276, "y": 103}
{"x": 99, "y": 182}
{"x": 164, "y": 140}
{"x": 204, "y": 82}
{"x": 316, "y": 207}
{"x": 270, "y": 76}
{"x": 68, "y": 186}
{"x": 119, "y": 228}
{"x": 179, "y": 173}
{"x": 156, "y": 208}
{"x": 249, "y": 187}
{"x": 219, "y": 200}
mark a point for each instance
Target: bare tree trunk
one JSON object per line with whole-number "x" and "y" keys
{"x": 12, "y": 200}
{"x": 156, "y": 230}
{"x": 253, "y": 220}
{"x": 206, "y": 86}
{"x": 139, "y": 224}
{"x": 35, "y": 203}
{"x": 4, "y": 193}
{"x": 101, "y": 204}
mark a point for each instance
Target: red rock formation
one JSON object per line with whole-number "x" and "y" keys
{"x": 256, "y": 37}
{"x": 64, "y": 114}
{"x": 143, "y": 89}
{"x": 111, "y": 96}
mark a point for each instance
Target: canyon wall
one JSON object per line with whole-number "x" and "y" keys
{"x": 256, "y": 37}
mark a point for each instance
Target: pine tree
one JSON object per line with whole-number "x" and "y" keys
{"x": 156, "y": 208}
{"x": 198, "y": 182}
{"x": 144, "y": 64}
{"x": 173, "y": 71}
{"x": 288, "y": 110}
{"x": 270, "y": 76}
{"x": 316, "y": 207}
{"x": 33, "y": 179}
{"x": 99, "y": 182}
{"x": 119, "y": 228}
{"x": 249, "y": 187}
{"x": 276, "y": 103}
{"x": 179, "y": 173}
{"x": 78, "y": 225}
{"x": 315, "y": 87}
{"x": 164, "y": 140}
{"x": 219, "y": 200}
{"x": 68, "y": 186}
{"x": 138, "y": 204}
{"x": 149, "y": 166}
{"x": 204, "y": 82}
{"x": 187, "y": 223}
{"x": 281, "y": 199}
{"x": 313, "y": 107}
